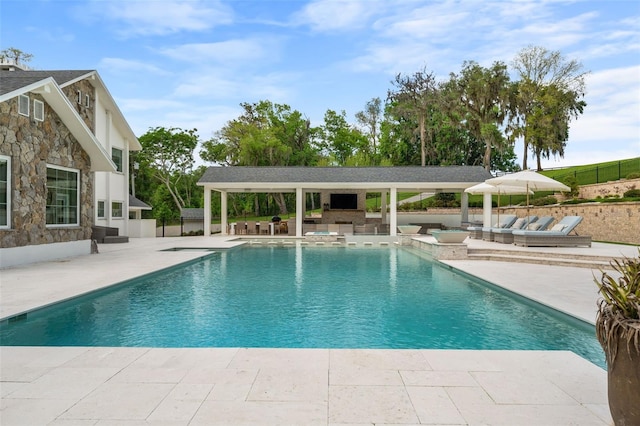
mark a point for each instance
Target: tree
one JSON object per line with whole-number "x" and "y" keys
{"x": 168, "y": 153}
{"x": 480, "y": 100}
{"x": 369, "y": 119}
{"x": 416, "y": 96}
{"x": 539, "y": 68}
{"x": 339, "y": 139}
{"x": 16, "y": 56}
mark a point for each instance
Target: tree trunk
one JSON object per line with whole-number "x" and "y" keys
{"x": 282, "y": 206}
{"x": 423, "y": 156}
{"x": 524, "y": 158}
{"x": 487, "y": 157}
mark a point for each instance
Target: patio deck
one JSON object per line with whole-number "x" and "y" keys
{"x": 136, "y": 386}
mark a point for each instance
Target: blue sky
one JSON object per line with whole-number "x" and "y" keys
{"x": 189, "y": 64}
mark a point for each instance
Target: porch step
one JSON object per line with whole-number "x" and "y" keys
{"x": 113, "y": 239}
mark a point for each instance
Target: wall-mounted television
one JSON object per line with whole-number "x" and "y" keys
{"x": 344, "y": 201}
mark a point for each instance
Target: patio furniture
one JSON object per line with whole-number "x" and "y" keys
{"x": 251, "y": 227}
{"x": 558, "y": 236}
{"x": 505, "y": 221}
{"x": 502, "y": 235}
{"x": 506, "y": 236}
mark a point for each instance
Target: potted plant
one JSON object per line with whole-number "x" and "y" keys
{"x": 618, "y": 331}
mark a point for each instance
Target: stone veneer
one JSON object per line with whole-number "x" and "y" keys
{"x": 32, "y": 145}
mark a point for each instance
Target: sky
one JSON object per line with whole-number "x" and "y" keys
{"x": 190, "y": 64}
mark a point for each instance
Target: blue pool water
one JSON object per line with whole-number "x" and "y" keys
{"x": 305, "y": 297}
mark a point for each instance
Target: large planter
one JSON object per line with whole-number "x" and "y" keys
{"x": 623, "y": 370}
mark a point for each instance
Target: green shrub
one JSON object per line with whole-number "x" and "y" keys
{"x": 544, "y": 201}
{"x": 572, "y": 183}
{"x": 632, "y": 193}
{"x": 577, "y": 201}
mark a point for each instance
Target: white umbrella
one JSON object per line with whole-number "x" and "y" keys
{"x": 484, "y": 188}
{"x": 530, "y": 180}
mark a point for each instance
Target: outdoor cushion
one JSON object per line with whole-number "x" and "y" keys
{"x": 558, "y": 227}
{"x": 534, "y": 226}
{"x": 518, "y": 223}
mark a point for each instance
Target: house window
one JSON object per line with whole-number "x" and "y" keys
{"x": 63, "y": 196}
{"x": 38, "y": 110}
{"x": 101, "y": 209}
{"x": 5, "y": 191}
{"x": 116, "y": 209}
{"x": 23, "y": 105}
{"x": 116, "y": 156}
{"x": 87, "y": 101}
{"x": 79, "y": 97}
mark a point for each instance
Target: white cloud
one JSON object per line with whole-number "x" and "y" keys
{"x": 337, "y": 15}
{"x": 227, "y": 52}
{"x": 159, "y": 17}
{"x": 119, "y": 65}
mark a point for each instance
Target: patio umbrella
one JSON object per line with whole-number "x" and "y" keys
{"x": 530, "y": 180}
{"x": 484, "y": 188}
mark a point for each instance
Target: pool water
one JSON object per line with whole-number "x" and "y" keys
{"x": 305, "y": 297}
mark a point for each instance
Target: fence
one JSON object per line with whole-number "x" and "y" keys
{"x": 605, "y": 173}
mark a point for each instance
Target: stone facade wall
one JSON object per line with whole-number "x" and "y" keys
{"x": 87, "y": 112}
{"x": 32, "y": 145}
{"x": 618, "y": 188}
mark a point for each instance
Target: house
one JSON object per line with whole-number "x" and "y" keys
{"x": 64, "y": 163}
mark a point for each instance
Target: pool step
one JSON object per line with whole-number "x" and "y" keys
{"x": 580, "y": 261}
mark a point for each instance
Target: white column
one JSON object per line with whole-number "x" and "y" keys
{"x": 486, "y": 210}
{"x": 207, "y": 212}
{"x": 464, "y": 207}
{"x": 299, "y": 211}
{"x": 393, "y": 200}
{"x": 383, "y": 206}
{"x": 223, "y": 213}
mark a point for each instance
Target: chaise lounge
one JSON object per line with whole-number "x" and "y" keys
{"x": 488, "y": 234}
{"x": 558, "y": 236}
{"x": 505, "y": 235}
{"x": 506, "y": 220}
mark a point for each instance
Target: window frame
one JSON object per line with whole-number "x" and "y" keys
{"x": 7, "y": 159}
{"x": 38, "y": 107}
{"x": 113, "y": 203}
{"x": 104, "y": 209}
{"x": 60, "y": 195}
{"x": 22, "y": 101}
{"x": 119, "y": 164}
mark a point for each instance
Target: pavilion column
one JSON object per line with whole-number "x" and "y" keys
{"x": 393, "y": 200}
{"x": 299, "y": 211}
{"x": 383, "y": 206}
{"x": 486, "y": 210}
{"x": 207, "y": 211}
{"x": 464, "y": 207}
{"x": 224, "y": 225}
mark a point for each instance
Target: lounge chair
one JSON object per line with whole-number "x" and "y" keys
{"x": 487, "y": 235}
{"x": 557, "y": 236}
{"x": 505, "y": 220}
{"x": 504, "y": 235}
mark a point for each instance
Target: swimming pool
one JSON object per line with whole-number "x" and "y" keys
{"x": 305, "y": 297}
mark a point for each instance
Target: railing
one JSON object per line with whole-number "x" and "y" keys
{"x": 600, "y": 174}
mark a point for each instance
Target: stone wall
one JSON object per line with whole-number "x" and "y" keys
{"x": 618, "y": 188}
{"x": 84, "y": 109}
{"x": 32, "y": 145}
{"x": 612, "y": 222}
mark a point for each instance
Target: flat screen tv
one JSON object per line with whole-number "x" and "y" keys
{"x": 344, "y": 201}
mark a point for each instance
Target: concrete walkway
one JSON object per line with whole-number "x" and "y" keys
{"x": 141, "y": 386}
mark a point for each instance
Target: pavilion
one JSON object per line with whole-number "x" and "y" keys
{"x": 346, "y": 181}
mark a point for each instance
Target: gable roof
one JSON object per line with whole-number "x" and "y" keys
{"x": 56, "y": 99}
{"x": 16, "y": 79}
{"x": 136, "y": 204}
{"x": 262, "y": 179}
